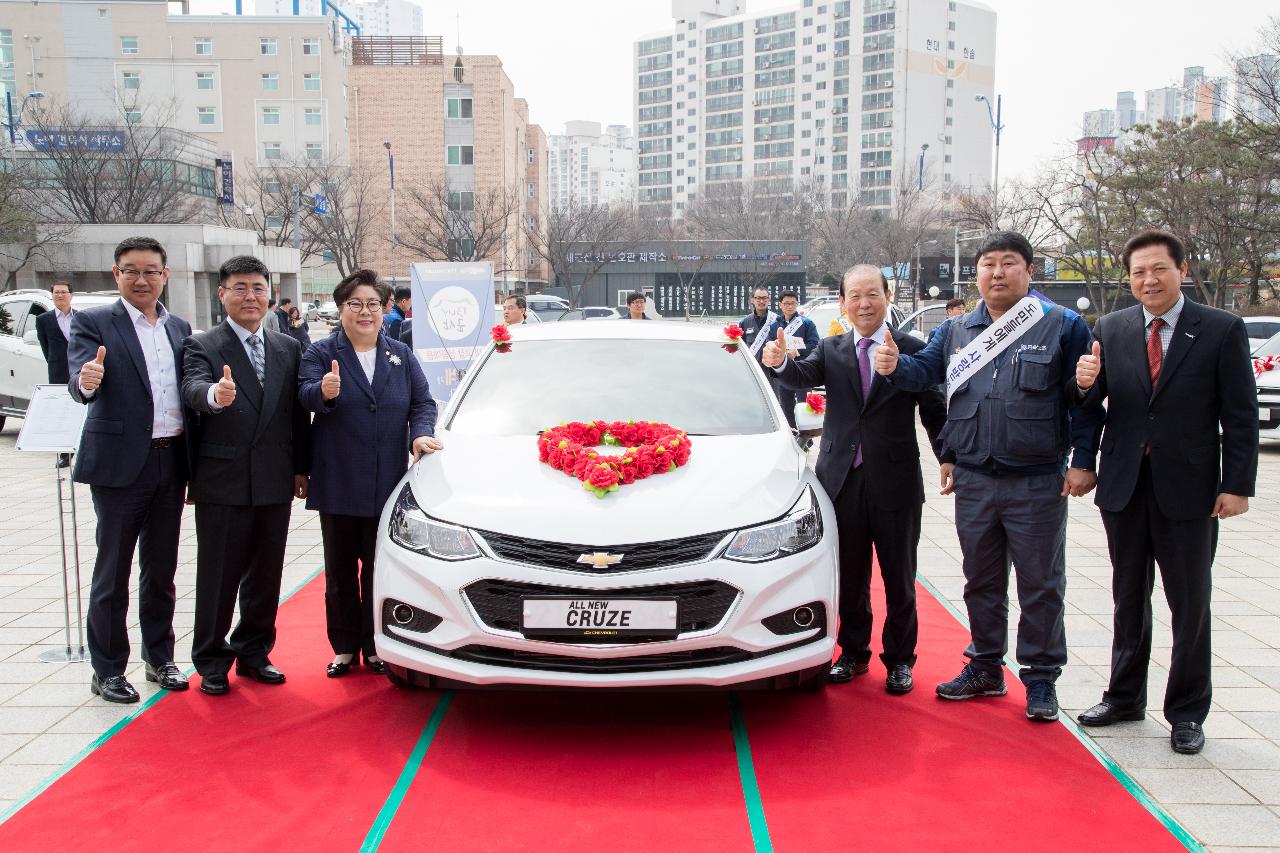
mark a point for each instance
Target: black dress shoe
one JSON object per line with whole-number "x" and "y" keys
{"x": 1187, "y": 738}
{"x": 215, "y": 684}
{"x": 266, "y": 674}
{"x": 167, "y": 675}
{"x": 337, "y": 670}
{"x": 1104, "y": 714}
{"x": 898, "y": 681}
{"x": 845, "y": 668}
{"x": 378, "y": 666}
{"x": 113, "y": 688}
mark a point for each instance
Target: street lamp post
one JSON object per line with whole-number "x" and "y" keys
{"x": 15, "y": 122}
{"x": 920, "y": 179}
{"x": 996, "y": 125}
{"x": 961, "y": 237}
{"x": 391, "y": 165}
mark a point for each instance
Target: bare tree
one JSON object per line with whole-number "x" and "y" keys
{"x": 355, "y": 206}
{"x": 22, "y": 238}
{"x": 444, "y": 224}
{"x": 582, "y": 237}
{"x": 751, "y": 213}
{"x": 137, "y": 170}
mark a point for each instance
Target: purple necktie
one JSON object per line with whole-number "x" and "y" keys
{"x": 864, "y": 372}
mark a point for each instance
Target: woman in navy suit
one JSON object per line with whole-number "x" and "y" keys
{"x": 373, "y": 407}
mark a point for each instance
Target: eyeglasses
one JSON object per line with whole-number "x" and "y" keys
{"x": 355, "y": 306}
{"x": 133, "y": 275}
{"x": 240, "y": 290}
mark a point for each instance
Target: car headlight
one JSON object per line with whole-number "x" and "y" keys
{"x": 411, "y": 528}
{"x": 799, "y": 529}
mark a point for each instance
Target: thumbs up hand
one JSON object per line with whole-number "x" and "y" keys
{"x": 224, "y": 392}
{"x": 331, "y": 384}
{"x": 1088, "y": 367}
{"x": 887, "y": 356}
{"x": 775, "y": 352}
{"x": 91, "y": 372}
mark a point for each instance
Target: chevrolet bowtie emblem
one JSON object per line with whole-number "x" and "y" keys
{"x": 600, "y": 559}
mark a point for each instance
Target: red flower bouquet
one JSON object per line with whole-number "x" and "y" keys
{"x": 816, "y": 403}
{"x": 501, "y": 336}
{"x": 652, "y": 448}
{"x": 733, "y": 334}
{"x": 1266, "y": 363}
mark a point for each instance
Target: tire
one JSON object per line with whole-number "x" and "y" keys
{"x": 1, "y": 422}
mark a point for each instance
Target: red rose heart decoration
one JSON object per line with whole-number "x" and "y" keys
{"x": 652, "y": 448}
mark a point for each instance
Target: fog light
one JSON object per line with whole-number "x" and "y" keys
{"x": 403, "y": 614}
{"x": 803, "y": 616}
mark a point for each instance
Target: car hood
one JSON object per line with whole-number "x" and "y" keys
{"x": 497, "y": 483}
{"x": 1270, "y": 379}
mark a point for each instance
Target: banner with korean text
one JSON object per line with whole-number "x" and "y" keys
{"x": 453, "y": 312}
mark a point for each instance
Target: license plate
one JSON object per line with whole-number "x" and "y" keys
{"x": 598, "y": 617}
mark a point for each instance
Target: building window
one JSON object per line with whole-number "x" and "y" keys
{"x": 204, "y": 46}
{"x": 461, "y": 249}
{"x": 270, "y": 115}
{"x": 129, "y": 45}
{"x": 271, "y": 187}
{"x": 311, "y": 82}
{"x": 314, "y": 151}
{"x": 311, "y": 116}
{"x": 458, "y": 155}
{"x": 132, "y": 116}
{"x": 458, "y": 108}
{"x": 130, "y": 80}
{"x": 206, "y": 116}
{"x": 270, "y": 82}
{"x": 462, "y": 201}
{"x": 531, "y": 155}
{"x": 204, "y": 81}
{"x": 274, "y": 220}
{"x": 311, "y": 47}
{"x": 271, "y": 150}
{"x": 267, "y": 47}
{"x": 530, "y": 185}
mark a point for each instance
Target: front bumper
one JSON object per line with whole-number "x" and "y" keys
{"x": 738, "y": 648}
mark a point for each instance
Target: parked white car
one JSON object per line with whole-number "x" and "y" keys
{"x": 22, "y": 363}
{"x": 1260, "y": 330}
{"x": 1269, "y": 390}
{"x": 723, "y": 570}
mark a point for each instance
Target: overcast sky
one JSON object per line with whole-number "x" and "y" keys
{"x": 571, "y": 59}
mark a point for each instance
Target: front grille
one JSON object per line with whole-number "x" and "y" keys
{"x": 560, "y": 555}
{"x": 563, "y": 663}
{"x": 700, "y": 605}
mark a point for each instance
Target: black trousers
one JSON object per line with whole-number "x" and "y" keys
{"x": 895, "y": 534}
{"x": 241, "y": 554}
{"x": 1139, "y": 537}
{"x": 349, "y": 542}
{"x": 146, "y": 516}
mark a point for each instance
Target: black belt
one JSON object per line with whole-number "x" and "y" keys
{"x": 157, "y": 443}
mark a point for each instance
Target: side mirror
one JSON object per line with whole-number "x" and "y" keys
{"x": 30, "y": 338}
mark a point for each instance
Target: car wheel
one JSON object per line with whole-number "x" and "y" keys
{"x": 1, "y": 422}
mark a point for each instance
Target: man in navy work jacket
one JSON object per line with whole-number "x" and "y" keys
{"x": 803, "y": 329}
{"x": 127, "y": 368}
{"x": 1013, "y": 416}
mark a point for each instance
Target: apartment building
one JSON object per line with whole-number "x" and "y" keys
{"x": 589, "y": 166}
{"x": 843, "y": 96}
{"x": 457, "y": 122}
{"x": 380, "y": 18}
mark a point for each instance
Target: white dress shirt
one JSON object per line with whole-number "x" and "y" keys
{"x": 243, "y": 334}
{"x": 162, "y": 373}
{"x": 368, "y": 361}
{"x": 64, "y": 322}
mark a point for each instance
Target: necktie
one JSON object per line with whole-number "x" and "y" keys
{"x": 864, "y": 373}
{"x": 255, "y": 355}
{"x": 1155, "y": 356}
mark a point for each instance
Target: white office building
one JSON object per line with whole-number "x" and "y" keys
{"x": 1255, "y": 75}
{"x": 1099, "y": 123}
{"x": 841, "y": 95}
{"x": 590, "y": 166}
{"x": 380, "y": 18}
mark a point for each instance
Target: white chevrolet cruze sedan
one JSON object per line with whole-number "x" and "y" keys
{"x": 722, "y": 571}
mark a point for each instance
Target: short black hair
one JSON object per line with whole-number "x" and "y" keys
{"x": 521, "y": 302}
{"x": 361, "y": 278}
{"x": 271, "y": 302}
{"x": 242, "y": 265}
{"x": 58, "y": 284}
{"x": 955, "y": 303}
{"x": 141, "y": 244}
{"x": 285, "y": 301}
{"x": 403, "y": 292}
{"x": 789, "y": 293}
{"x": 632, "y": 297}
{"x": 1005, "y": 241}
{"x": 1154, "y": 237}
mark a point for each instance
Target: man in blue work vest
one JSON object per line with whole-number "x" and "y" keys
{"x": 1013, "y": 417}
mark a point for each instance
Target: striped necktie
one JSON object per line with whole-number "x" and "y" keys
{"x": 256, "y": 356}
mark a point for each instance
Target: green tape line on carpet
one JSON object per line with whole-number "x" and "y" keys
{"x": 116, "y": 729}
{"x": 1122, "y": 776}
{"x": 407, "y": 774}
{"x": 747, "y": 773}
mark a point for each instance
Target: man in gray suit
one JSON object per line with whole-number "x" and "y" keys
{"x": 251, "y": 457}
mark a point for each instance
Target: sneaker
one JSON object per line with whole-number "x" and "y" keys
{"x": 1042, "y": 701}
{"x": 972, "y": 682}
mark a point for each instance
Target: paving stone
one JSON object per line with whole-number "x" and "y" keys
{"x": 1262, "y": 784}
{"x": 1190, "y": 785}
{"x": 1247, "y": 826}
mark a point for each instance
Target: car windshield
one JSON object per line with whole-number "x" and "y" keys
{"x": 694, "y": 385}
{"x": 1271, "y": 347}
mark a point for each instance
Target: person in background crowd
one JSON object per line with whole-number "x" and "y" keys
{"x": 869, "y": 464}
{"x": 758, "y": 325}
{"x": 271, "y": 320}
{"x": 514, "y": 310}
{"x": 297, "y": 328}
{"x": 282, "y": 313}
{"x": 1180, "y": 452}
{"x": 800, "y": 330}
{"x": 52, "y": 331}
{"x": 635, "y": 307}
{"x": 372, "y": 407}
{"x": 1012, "y": 418}
{"x": 251, "y": 455}
{"x": 127, "y": 368}
{"x": 955, "y": 308}
{"x": 399, "y": 311}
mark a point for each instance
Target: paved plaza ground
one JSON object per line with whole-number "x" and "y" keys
{"x": 1228, "y": 797}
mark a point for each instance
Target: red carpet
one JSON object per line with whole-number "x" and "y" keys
{"x": 311, "y": 765}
